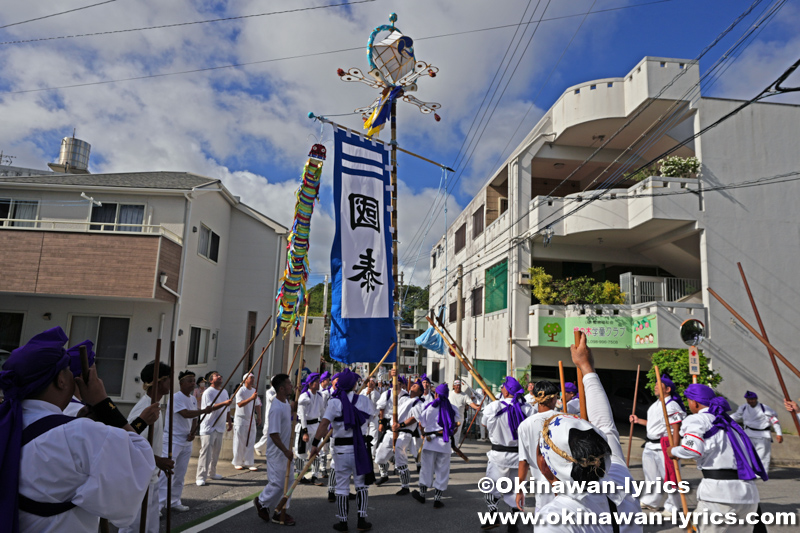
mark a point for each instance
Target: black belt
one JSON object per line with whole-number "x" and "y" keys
{"x": 43, "y": 508}
{"x": 343, "y": 441}
{"x": 757, "y": 429}
{"x": 312, "y": 421}
{"x": 433, "y": 433}
{"x": 412, "y": 432}
{"x": 653, "y": 441}
{"x": 509, "y": 449}
{"x": 722, "y": 473}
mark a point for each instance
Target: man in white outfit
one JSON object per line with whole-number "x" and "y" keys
{"x": 406, "y": 428}
{"x": 757, "y": 419}
{"x": 575, "y": 450}
{"x": 91, "y": 469}
{"x": 309, "y": 411}
{"x": 385, "y": 410}
{"x": 279, "y": 453}
{"x": 460, "y": 400}
{"x": 212, "y": 427}
{"x": 325, "y": 393}
{"x": 653, "y": 457}
{"x": 184, "y": 429}
{"x": 729, "y": 472}
{"x": 438, "y": 421}
{"x": 502, "y": 418}
{"x": 545, "y": 396}
{"x": 372, "y": 392}
{"x": 244, "y": 424}
{"x": 261, "y": 445}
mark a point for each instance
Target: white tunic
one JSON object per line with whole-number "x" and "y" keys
{"x": 713, "y": 453}
{"x": 599, "y": 412}
{"x": 656, "y": 428}
{"x": 530, "y": 398}
{"x": 181, "y": 426}
{"x": 500, "y": 433}
{"x": 386, "y": 403}
{"x": 757, "y": 420}
{"x": 157, "y": 428}
{"x": 574, "y": 406}
{"x": 309, "y": 408}
{"x": 429, "y": 420}
{"x": 334, "y": 411}
{"x": 243, "y": 414}
{"x": 103, "y": 470}
{"x": 529, "y": 432}
{"x": 218, "y": 417}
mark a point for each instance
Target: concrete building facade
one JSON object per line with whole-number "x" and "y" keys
{"x": 666, "y": 240}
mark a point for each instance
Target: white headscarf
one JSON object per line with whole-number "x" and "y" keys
{"x": 554, "y": 445}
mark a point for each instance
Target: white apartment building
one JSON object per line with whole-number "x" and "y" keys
{"x": 113, "y": 257}
{"x": 666, "y": 240}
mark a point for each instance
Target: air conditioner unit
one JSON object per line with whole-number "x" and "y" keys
{"x": 524, "y": 278}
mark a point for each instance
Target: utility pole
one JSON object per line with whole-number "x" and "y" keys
{"x": 459, "y": 310}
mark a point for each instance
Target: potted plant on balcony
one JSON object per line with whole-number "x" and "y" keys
{"x": 670, "y": 167}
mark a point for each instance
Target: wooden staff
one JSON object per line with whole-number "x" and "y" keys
{"x": 672, "y": 440}
{"x": 752, "y": 330}
{"x": 169, "y": 444}
{"x": 253, "y": 412}
{"x": 154, "y": 398}
{"x": 563, "y": 386}
{"x": 474, "y": 417}
{"x": 263, "y": 351}
{"x": 630, "y": 435}
{"x": 457, "y": 351}
{"x": 771, "y": 356}
{"x": 296, "y": 404}
{"x": 84, "y": 357}
{"x": 247, "y": 351}
{"x": 288, "y": 493}
{"x": 581, "y": 392}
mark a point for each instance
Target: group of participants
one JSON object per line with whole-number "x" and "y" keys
{"x": 63, "y": 470}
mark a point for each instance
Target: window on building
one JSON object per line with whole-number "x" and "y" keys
{"x": 110, "y": 337}
{"x": 198, "y": 346}
{"x": 502, "y": 204}
{"x": 16, "y": 212}
{"x": 117, "y": 217}
{"x": 208, "y": 244}
{"x": 496, "y": 287}
{"x": 477, "y": 222}
{"x": 461, "y": 238}
{"x": 10, "y": 331}
{"x": 435, "y": 372}
{"x": 433, "y": 259}
{"x": 451, "y": 315}
{"x": 477, "y": 301}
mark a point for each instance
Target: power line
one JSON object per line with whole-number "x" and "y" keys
{"x": 56, "y": 14}
{"x": 179, "y": 24}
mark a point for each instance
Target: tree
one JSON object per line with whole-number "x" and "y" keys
{"x": 675, "y": 364}
{"x": 552, "y": 330}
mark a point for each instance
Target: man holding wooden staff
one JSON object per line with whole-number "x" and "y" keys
{"x": 757, "y": 419}
{"x": 406, "y": 430}
{"x": 655, "y": 462}
{"x": 279, "y": 452}
{"x": 348, "y": 414}
{"x": 244, "y": 437}
{"x": 385, "y": 409}
{"x": 309, "y": 411}
{"x": 725, "y": 456}
{"x": 154, "y": 393}
{"x": 503, "y": 418}
{"x": 212, "y": 428}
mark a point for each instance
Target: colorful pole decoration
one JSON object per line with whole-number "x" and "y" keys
{"x": 293, "y": 283}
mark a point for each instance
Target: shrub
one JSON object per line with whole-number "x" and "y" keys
{"x": 675, "y": 363}
{"x": 572, "y": 291}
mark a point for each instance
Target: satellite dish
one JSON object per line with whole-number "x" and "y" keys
{"x": 693, "y": 332}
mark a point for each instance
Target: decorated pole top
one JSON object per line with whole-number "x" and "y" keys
{"x": 394, "y": 69}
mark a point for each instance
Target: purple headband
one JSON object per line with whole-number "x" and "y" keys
{"x": 325, "y": 375}
{"x": 748, "y": 463}
{"x": 400, "y": 379}
{"x": 514, "y": 407}
{"x": 28, "y": 370}
{"x": 353, "y": 419}
{"x": 674, "y": 396}
{"x": 424, "y": 377}
{"x": 571, "y": 387}
{"x": 749, "y": 395}
{"x": 447, "y": 415}
{"x": 702, "y": 394}
{"x": 311, "y": 378}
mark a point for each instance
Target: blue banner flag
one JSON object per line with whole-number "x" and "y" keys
{"x": 362, "y": 324}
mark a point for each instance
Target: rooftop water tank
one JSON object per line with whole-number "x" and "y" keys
{"x": 73, "y": 157}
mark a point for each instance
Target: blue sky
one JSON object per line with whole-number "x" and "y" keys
{"x": 248, "y": 125}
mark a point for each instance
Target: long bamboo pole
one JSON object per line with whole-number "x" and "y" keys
{"x": 154, "y": 399}
{"x": 171, "y": 411}
{"x": 752, "y": 330}
{"x": 296, "y": 403}
{"x": 673, "y": 442}
{"x": 288, "y": 493}
{"x": 563, "y": 386}
{"x": 247, "y": 351}
{"x": 457, "y": 351}
{"x": 581, "y": 392}
{"x": 630, "y": 435}
{"x": 253, "y": 412}
{"x": 771, "y": 355}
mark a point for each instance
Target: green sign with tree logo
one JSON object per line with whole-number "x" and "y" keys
{"x": 602, "y": 331}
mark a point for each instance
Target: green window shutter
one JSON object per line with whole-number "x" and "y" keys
{"x": 496, "y": 292}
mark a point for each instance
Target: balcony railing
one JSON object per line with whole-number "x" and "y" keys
{"x": 89, "y": 227}
{"x": 642, "y": 289}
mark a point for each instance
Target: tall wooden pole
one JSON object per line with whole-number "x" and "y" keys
{"x": 771, "y": 355}
{"x": 671, "y": 433}
{"x": 563, "y": 386}
{"x": 171, "y": 411}
{"x": 296, "y": 402}
{"x": 581, "y": 392}
{"x": 633, "y": 412}
{"x": 154, "y": 399}
{"x": 442, "y": 331}
{"x": 395, "y": 269}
